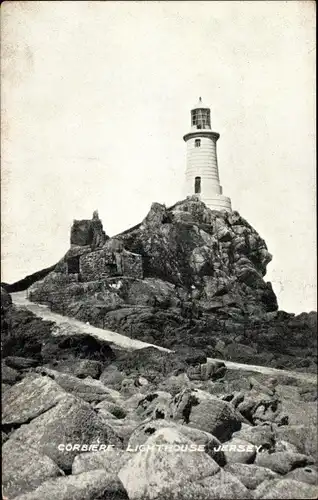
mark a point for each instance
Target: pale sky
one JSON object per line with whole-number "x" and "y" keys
{"x": 96, "y": 98}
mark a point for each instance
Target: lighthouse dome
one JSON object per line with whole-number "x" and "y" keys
{"x": 200, "y": 105}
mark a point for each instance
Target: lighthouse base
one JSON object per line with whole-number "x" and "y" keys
{"x": 217, "y": 202}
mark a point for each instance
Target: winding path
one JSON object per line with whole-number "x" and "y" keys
{"x": 64, "y": 324}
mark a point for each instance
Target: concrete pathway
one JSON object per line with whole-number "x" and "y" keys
{"x": 64, "y": 325}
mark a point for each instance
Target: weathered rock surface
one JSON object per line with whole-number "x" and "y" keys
{"x": 88, "y": 389}
{"x": 70, "y": 421}
{"x": 307, "y": 475}
{"x": 162, "y": 473}
{"x": 24, "y": 468}
{"x": 259, "y": 435}
{"x": 154, "y": 405}
{"x": 285, "y": 489}
{"x": 111, "y": 460}
{"x": 8, "y": 375}
{"x": 91, "y": 485}
{"x": 80, "y": 368}
{"x": 282, "y": 462}
{"x": 250, "y": 475}
{"x": 123, "y": 428}
{"x": 29, "y": 399}
{"x": 112, "y": 377}
{"x": 20, "y": 363}
{"x": 304, "y": 437}
{"x": 74, "y": 346}
{"x": 207, "y": 440}
{"x": 206, "y": 412}
{"x": 88, "y": 232}
{"x": 239, "y": 451}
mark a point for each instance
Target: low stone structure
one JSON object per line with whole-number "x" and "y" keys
{"x": 103, "y": 264}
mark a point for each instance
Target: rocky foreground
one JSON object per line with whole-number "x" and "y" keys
{"x": 76, "y": 412}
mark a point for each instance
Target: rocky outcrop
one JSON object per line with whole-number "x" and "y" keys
{"x": 88, "y": 232}
{"x": 216, "y": 258}
{"x": 184, "y": 275}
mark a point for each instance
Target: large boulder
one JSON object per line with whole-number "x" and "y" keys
{"x": 21, "y": 363}
{"x": 307, "y": 475}
{"x": 91, "y": 485}
{"x": 88, "y": 389}
{"x": 24, "y": 468}
{"x": 111, "y": 460}
{"x": 71, "y": 421}
{"x": 8, "y": 375}
{"x": 259, "y": 406}
{"x": 239, "y": 451}
{"x": 259, "y": 435}
{"x": 210, "y": 443}
{"x": 304, "y": 437}
{"x": 281, "y": 489}
{"x": 282, "y": 462}
{"x": 225, "y": 485}
{"x": 154, "y": 405}
{"x": 167, "y": 474}
{"x": 29, "y": 399}
{"x": 250, "y": 475}
{"x": 206, "y": 412}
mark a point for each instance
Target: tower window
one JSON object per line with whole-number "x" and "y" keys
{"x": 197, "y": 143}
{"x": 73, "y": 265}
{"x": 197, "y": 185}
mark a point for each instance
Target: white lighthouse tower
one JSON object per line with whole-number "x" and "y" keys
{"x": 202, "y": 173}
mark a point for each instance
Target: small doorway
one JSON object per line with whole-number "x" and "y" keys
{"x": 197, "y": 185}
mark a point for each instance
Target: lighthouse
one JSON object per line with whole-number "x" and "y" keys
{"x": 202, "y": 173}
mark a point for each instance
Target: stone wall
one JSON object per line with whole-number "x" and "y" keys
{"x": 103, "y": 264}
{"x": 97, "y": 265}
